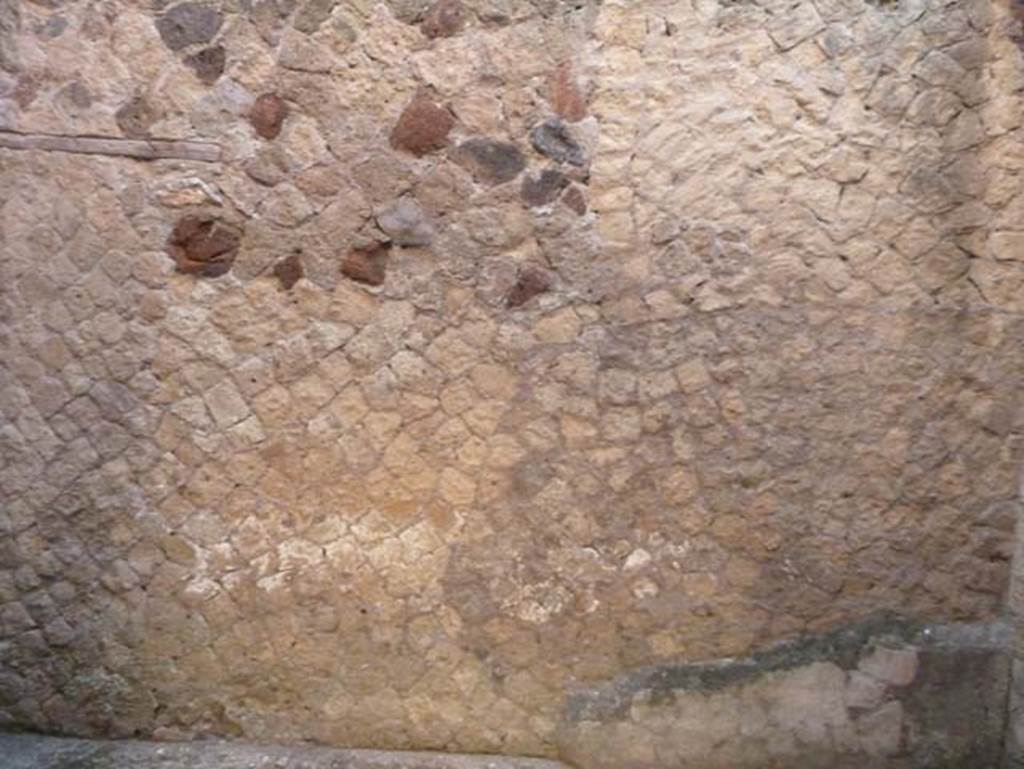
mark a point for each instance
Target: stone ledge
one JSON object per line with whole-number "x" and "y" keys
{"x": 31, "y": 751}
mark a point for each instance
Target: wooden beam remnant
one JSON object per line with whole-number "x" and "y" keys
{"x": 140, "y": 149}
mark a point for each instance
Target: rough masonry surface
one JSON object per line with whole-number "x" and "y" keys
{"x": 489, "y": 351}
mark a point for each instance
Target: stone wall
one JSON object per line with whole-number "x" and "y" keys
{"x": 407, "y": 375}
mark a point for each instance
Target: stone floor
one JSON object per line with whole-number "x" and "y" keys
{"x": 29, "y": 751}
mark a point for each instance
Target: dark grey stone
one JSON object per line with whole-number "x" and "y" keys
{"x": 490, "y": 161}
{"x": 553, "y": 139}
{"x": 188, "y": 24}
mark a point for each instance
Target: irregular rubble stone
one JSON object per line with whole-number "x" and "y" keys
{"x": 443, "y": 19}
{"x": 544, "y": 189}
{"x": 26, "y": 90}
{"x": 896, "y": 667}
{"x": 287, "y": 207}
{"x": 499, "y": 13}
{"x": 268, "y": 114}
{"x": 665, "y": 231}
{"x": 10, "y": 25}
{"x": 204, "y": 246}
{"x": 381, "y": 175}
{"x": 269, "y": 16}
{"x": 443, "y": 189}
{"x": 564, "y": 94}
{"x": 367, "y": 265}
{"x": 289, "y": 270}
{"x": 54, "y": 27}
{"x": 491, "y": 162}
{"x": 226, "y": 404}
{"x": 135, "y": 117}
{"x": 75, "y": 94}
{"x": 188, "y": 23}
{"x": 312, "y": 14}
{"x": 576, "y": 200}
{"x": 530, "y": 283}
{"x": 187, "y": 191}
{"x": 406, "y": 223}
{"x": 409, "y": 11}
{"x": 208, "y": 64}
{"x": 422, "y": 127}
{"x": 344, "y": 33}
{"x": 798, "y": 23}
{"x": 269, "y": 166}
{"x": 1007, "y": 246}
{"x": 553, "y": 139}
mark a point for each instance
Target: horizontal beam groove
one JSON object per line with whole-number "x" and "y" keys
{"x": 140, "y": 149}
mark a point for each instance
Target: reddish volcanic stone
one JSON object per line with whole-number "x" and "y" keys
{"x": 531, "y": 282}
{"x": 268, "y": 115}
{"x": 443, "y": 19}
{"x": 565, "y": 95}
{"x": 422, "y": 127}
{"x": 203, "y": 246}
{"x": 289, "y": 270}
{"x": 367, "y": 265}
